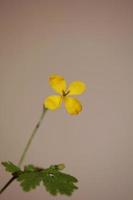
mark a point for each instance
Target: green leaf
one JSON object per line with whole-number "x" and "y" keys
{"x": 10, "y": 167}
{"x": 52, "y": 178}
{"x": 57, "y": 182}
{"x": 30, "y": 180}
{"x": 30, "y": 168}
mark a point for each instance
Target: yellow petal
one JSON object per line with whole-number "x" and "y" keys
{"x": 53, "y": 102}
{"x": 76, "y": 88}
{"x": 57, "y": 83}
{"x": 72, "y": 105}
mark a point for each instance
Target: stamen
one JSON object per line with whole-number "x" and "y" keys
{"x": 65, "y": 93}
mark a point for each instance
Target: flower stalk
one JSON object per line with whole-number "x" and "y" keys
{"x": 26, "y": 149}
{"x": 31, "y": 137}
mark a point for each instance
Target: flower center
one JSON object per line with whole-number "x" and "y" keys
{"x": 65, "y": 93}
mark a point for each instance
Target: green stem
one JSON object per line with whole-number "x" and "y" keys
{"x": 26, "y": 148}
{"x": 31, "y": 138}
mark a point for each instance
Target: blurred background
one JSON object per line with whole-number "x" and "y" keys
{"x": 80, "y": 40}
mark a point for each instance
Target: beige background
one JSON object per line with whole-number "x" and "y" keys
{"x": 86, "y": 40}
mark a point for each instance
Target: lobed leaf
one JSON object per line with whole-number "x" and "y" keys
{"x": 52, "y": 178}
{"x": 29, "y": 180}
{"x": 10, "y": 167}
{"x": 59, "y": 183}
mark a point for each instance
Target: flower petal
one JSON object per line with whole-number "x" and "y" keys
{"x": 57, "y": 83}
{"x": 53, "y": 102}
{"x": 76, "y": 88}
{"x": 72, "y": 105}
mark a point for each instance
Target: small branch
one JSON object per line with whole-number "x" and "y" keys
{"x": 7, "y": 184}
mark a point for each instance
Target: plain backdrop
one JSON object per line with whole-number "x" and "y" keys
{"x": 80, "y": 40}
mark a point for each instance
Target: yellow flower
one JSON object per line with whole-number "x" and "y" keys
{"x": 58, "y": 84}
